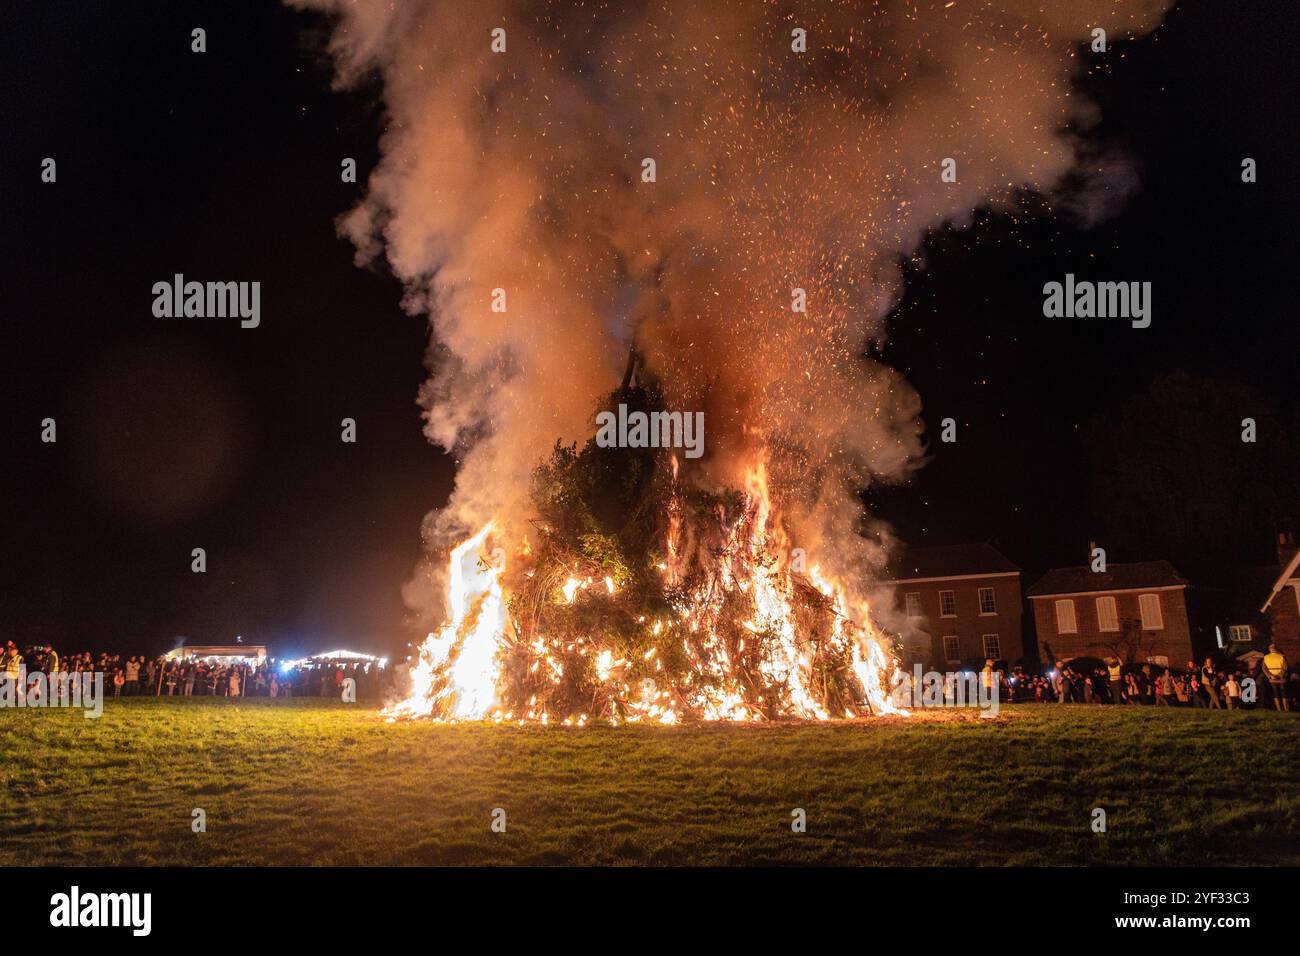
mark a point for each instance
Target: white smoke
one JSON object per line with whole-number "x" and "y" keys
{"x": 521, "y": 170}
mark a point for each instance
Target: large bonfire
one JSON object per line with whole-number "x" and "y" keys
{"x": 733, "y": 191}
{"x": 639, "y": 598}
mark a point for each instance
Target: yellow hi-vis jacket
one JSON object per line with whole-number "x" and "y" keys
{"x": 1274, "y": 666}
{"x": 1116, "y": 671}
{"x": 13, "y": 663}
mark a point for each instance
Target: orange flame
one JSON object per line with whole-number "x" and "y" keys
{"x": 459, "y": 667}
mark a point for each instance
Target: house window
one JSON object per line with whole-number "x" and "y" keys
{"x": 948, "y": 603}
{"x": 951, "y": 649}
{"x": 914, "y": 605}
{"x": 988, "y": 604}
{"x": 1107, "y": 618}
{"x": 1065, "y": 617}
{"x": 992, "y": 646}
{"x": 1239, "y": 633}
{"x": 1152, "y": 619}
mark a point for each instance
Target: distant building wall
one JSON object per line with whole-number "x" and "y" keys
{"x": 966, "y": 625}
{"x": 1172, "y": 641}
{"x": 1284, "y": 622}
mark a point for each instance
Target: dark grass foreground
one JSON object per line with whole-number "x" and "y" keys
{"x": 312, "y": 783}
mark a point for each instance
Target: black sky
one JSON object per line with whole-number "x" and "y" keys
{"x": 183, "y": 433}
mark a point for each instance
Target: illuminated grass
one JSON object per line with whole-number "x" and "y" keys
{"x": 306, "y": 782}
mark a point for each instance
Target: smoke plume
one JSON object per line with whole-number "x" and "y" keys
{"x": 774, "y": 170}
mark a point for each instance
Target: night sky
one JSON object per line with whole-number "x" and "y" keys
{"x": 183, "y": 433}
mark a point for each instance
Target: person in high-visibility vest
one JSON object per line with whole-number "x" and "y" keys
{"x": 12, "y": 661}
{"x": 51, "y": 660}
{"x": 1115, "y": 675}
{"x": 1275, "y": 671}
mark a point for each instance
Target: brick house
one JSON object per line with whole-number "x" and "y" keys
{"x": 1282, "y": 604}
{"x": 959, "y": 604}
{"x": 1137, "y": 612}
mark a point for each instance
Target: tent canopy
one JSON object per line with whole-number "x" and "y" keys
{"x": 218, "y": 652}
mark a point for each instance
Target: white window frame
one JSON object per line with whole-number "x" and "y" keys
{"x": 913, "y": 598}
{"x": 1235, "y": 629}
{"x": 1103, "y": 622}
{"x": 993, "y": 601}
{"x": 956, "y": 643}
{"x": 1066, "y": 603}
{"x": 996, "y": 653}
{"x": 1151, "y": 622}
{"x": 942, "y": 612}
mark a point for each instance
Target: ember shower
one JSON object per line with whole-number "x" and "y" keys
{"x": 584, "y": 584}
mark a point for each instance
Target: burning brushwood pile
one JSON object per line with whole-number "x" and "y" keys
{"x": 636, "y": 597}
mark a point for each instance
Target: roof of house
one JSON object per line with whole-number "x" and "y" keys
{"x": 950, "y": 561}
{"x": 1116, "y": 577}
{"x": 217, "y": 650}
{"x": 1280, "y": 581}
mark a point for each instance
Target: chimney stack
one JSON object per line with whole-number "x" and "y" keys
{"x": 1285, "y": 547}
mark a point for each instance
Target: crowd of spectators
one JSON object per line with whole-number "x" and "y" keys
{"x": 138, "y": 675}
{"x": 1267, "y": 682}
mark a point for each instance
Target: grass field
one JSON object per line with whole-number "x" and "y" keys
{"x": 306, "y": 782}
